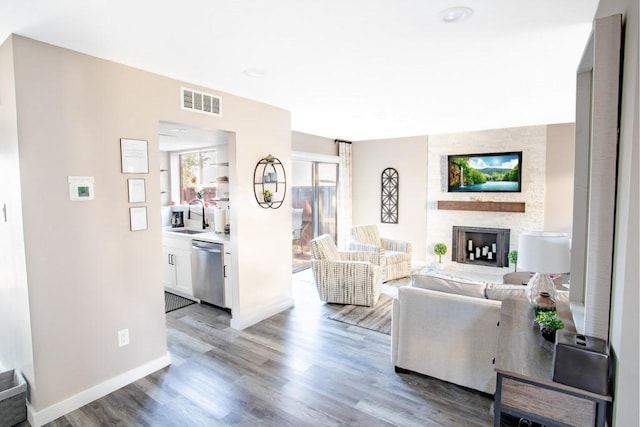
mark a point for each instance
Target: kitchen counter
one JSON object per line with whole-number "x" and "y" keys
{"x": 207, "y": 236}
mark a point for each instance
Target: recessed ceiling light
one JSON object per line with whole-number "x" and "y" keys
{"x": 456, "y": 14}
{"x": 255, "y": 72}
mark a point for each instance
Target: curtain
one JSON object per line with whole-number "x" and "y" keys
{"x": 344, "y": 193}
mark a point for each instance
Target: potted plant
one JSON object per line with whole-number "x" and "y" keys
{"x": 549, "y": 323}
{"x": 267, "y": 194}
{"x": 513, "y": 259}
{"x": 440, "y": 249}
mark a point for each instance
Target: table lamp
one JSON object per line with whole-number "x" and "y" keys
{"x": 543, "y": 253}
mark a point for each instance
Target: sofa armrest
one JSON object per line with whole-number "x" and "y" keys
{"x": 396, "y": 245}
{"x": 372, "y": 257}
{"x": 450, "y": 337}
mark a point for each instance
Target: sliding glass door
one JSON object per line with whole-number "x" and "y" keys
{"x": 314, "y": 187}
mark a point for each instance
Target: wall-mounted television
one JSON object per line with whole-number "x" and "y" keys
{"x": 486, "y": 172}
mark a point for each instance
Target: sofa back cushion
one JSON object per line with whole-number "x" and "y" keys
{"x": 449, "y": 284}
{"x": 324, "y": 248}
{"x": 368, "y": 234}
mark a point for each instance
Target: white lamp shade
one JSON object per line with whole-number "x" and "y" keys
{"x": 544, "y": 252}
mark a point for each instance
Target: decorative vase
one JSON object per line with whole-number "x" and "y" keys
{"x": 544, "y": 302}
{"x": 540, "y": 283}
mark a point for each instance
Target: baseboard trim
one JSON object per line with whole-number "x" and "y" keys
{"x": 46, "y": 415}
{"x": 242, "y": 321}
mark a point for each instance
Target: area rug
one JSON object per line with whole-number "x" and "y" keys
{"x": 173, "y": 302}
{"x": 376, "y": 318}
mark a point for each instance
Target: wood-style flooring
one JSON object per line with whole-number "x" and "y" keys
{"x": 297, "y": 368}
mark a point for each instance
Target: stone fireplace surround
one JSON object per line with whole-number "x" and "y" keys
{"x": 531, "y": 140}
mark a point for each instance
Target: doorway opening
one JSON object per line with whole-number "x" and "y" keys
{"x": 196, "y": 165}
{"x": 314, "y": 203}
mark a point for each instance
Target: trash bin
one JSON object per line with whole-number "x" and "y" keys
{"x": 13, "y": 398}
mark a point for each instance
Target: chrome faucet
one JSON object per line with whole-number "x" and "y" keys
{"x": 205, "y": 224}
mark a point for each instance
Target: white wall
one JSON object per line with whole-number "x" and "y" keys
{"x": 306, "y": 143}
{"x": 88, "y": 275}
{"x": 559, "y": 165}
{"x": 409, "y": 157}
{"x": 16, "y": 350}
{"x": 624, "y": 332}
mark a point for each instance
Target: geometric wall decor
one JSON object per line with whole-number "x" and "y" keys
{"x": 389, "y": 196}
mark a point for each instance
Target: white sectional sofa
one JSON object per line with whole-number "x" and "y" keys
{"x": 447, "y": 327}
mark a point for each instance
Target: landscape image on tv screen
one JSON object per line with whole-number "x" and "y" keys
{"x": 491, "y": 172}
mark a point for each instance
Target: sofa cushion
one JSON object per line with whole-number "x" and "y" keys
{"x": 501, "y": 292}
{"x": 449, "y": 284}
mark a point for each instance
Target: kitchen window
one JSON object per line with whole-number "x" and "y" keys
{"x": 201, "y": 174}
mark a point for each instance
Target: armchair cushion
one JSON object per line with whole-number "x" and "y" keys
{"x": 325, "y": 248}
{"x": 395, "y": 255}
{"x": 367, "y": 234}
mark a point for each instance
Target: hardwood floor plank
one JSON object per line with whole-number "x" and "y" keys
{"x": 296, "y": 368}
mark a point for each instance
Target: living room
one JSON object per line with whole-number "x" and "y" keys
{"x": 62, "y": 294}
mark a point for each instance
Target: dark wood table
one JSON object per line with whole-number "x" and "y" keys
{"x": 524, "y": 365}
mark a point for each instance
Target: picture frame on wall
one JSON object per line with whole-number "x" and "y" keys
{"x": 138, "y": 218}
{"x": 135, "y": 155}
{"x": 137, "y": 191}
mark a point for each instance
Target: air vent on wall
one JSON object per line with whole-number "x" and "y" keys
{"x": 202, "y": 102}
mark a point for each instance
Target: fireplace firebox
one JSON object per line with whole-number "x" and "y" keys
{"x": 481, "y": 246}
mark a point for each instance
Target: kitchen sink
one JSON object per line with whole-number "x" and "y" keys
{"x": 188, "y": 231}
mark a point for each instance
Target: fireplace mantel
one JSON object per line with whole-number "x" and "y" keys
{"x": 517, "y": 207}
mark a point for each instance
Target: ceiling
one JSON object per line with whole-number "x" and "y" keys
{"x": 180, "y": 137}
{"x": 349, "y": 69}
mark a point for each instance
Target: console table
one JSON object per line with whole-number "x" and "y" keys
{"x": 524, "y": 366}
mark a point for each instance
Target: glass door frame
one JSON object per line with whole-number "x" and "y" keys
{"x": 315, "y": 159}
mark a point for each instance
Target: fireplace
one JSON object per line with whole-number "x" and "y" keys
{"x": 481, "y": 246}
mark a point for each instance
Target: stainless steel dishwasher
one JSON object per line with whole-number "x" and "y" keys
{"x": 207, "y": 269}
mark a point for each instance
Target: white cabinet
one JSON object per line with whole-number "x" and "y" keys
{"x": 227, "y": 276}
{"x": 177, "y": 266}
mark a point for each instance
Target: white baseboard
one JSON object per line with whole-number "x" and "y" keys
{"x": 46, "y": 415}
{"x": 245, "y": 320}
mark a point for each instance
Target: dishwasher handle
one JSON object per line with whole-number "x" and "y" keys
{"x": 207, "y": 246}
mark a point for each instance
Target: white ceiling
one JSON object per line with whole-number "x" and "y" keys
{"x": 180, "y": 137}
{"x": 350, "y": 69}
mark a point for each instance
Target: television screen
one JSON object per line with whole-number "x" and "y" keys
{"x": 488, "y": 172}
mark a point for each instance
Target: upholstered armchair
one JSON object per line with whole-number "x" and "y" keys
{"x": 345, "y": 277}
{"x": 395, "y": 255}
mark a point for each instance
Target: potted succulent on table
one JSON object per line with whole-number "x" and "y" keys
{"x": 440, "y": 249}
{"x": 549, "y": 323}
{"x": 513, "y": 259}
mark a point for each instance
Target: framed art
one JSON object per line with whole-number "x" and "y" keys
{"x": 138, "y": 218}
{"x": 135, "y": 156}
{"x": 137, "y": 193}
{"x": 389, "y": 196}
